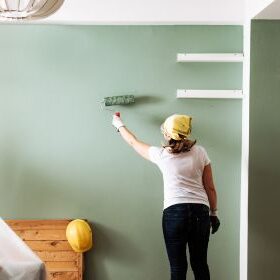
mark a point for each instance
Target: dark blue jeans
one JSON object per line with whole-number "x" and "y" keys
{"x": 187, "y": 224}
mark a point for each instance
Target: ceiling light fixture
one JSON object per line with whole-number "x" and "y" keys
{"x": 28, "y": 9}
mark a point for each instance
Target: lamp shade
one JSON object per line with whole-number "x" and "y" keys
{"x": 23, "y": 9}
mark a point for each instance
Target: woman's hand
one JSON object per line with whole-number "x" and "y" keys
{"x": 215, "y": 223}
{"x": 117, "y": 122}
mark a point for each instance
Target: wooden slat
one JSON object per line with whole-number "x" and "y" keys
{"x": 55, "y": 245}
{"x": 58, "y": 256}
{"x": 63, "y": 276}
{"x": 44, "y": 234}
{"x": 61, "y": 266}
{"x": 47, "y": 238}
{"x": 81, "y": 266}
{"x": 37, "y": 224}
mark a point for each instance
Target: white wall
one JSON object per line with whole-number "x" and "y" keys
{"x": 150, "y": 11}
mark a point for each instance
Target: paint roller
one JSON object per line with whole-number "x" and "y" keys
{"x": 117, "y": 100}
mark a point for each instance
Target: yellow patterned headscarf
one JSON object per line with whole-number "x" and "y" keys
{"x": 177, "y": 125}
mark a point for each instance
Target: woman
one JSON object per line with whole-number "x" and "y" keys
{"x": 189, "y": 191}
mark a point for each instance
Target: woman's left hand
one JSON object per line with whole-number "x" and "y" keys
{"x": 215, "y": 223}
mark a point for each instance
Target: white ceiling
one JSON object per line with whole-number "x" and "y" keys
{"x": 270, "y": 12}
{"x": 149, "y": 12}
{"x": 254, "y": 7}
{"x": 162, "y": 11}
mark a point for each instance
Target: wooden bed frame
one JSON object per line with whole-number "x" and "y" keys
{"x": 47, "y": 239}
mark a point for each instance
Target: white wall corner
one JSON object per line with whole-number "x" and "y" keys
{"x": 250, "y": 9}
{"x": 254, "y": 7}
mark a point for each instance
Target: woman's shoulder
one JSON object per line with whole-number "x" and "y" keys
{"x": 161, "y": 152}
{"x": 156, "y": 149}
{"x": 198, "y": 148}
{"x": 202, "y": 154}
{"x": 155, "y": 153}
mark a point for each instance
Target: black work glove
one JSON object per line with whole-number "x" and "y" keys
{"x": 215, "y": 223}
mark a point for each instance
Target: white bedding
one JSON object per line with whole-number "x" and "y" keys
{"x": 17, "y": 261}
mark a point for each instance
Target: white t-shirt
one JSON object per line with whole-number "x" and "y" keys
{"x": 182, "y": 174}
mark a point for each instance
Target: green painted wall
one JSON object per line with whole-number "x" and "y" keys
{"x": 264, "y": 191}
{"x": 61, "y": 158}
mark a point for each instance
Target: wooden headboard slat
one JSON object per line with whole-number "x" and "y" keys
{"x": 50, "y": 245}
{"x": 37, "y": 224}
{"x": 47, "y": 239}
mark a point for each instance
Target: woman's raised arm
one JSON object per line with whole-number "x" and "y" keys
{"x": 140, "y": 147}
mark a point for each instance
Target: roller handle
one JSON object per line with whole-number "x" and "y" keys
{"x": 118, "y": 114}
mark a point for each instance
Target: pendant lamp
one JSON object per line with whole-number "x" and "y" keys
{"x": 28, "y": 9}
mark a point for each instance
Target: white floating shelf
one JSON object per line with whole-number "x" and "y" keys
{"x": 210, "y": 57}
{"x": 192, "y": 93}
